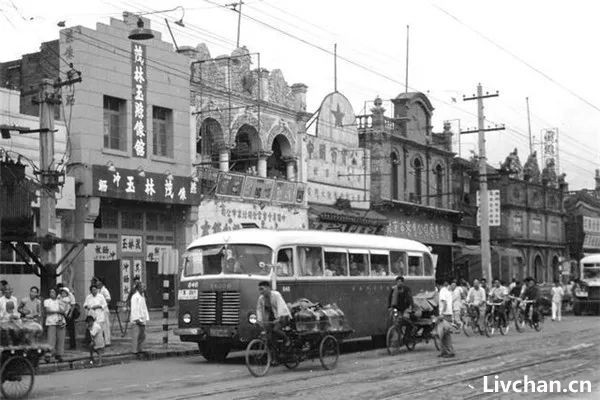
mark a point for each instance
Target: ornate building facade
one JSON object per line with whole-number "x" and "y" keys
{"x": 411, "y": 174}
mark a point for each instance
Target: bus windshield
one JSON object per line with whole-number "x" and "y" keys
{"x": 227, "y": 259}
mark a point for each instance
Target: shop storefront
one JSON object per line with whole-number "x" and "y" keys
{"x": 140, "y": 217}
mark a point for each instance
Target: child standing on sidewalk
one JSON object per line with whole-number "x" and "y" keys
{"x": 557, "y": 297}
{"x": 97, "y": 339}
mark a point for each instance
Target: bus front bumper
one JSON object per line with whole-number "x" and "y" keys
{"x": 188, "y": 331}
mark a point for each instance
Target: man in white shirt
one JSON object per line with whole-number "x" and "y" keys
{"x": 557, "y": 297}
{"x": 6, "y": 298}
{"x": 138, "y": 317}
{"x": 272, "y": 311}
{"x": 106, "y": 324}
{"x": 477, "y": 298}
{"x": 445, "y": 321}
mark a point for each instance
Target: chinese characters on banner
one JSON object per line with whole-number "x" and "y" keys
{"x": 105, "y": 251}
{"x": 422, "y": 231}
{"x": 125, "y": 279}
{"x": 138, "y": 270}
{"x": 493, "y": 208}
{"x": 127, "y": 184}
{"x": 154, "y": 250}
{"x": 138, "y": 82}
{"x": 131, "y": 244}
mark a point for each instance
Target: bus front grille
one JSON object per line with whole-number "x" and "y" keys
{"x": 594, "y": 293}
{"x": 207, "y": 308}
{"x": 230, "y": 308}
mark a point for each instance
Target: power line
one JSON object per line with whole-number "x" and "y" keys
{"x": 521, "y": 60}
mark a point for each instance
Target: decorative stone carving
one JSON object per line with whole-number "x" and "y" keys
{"x": 512, "y": 166}
{"x": 549, "y": 174}
{"x": 531, "y": 169}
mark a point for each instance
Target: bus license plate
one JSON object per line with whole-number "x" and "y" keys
{"x": 187, "y": 294}
{"x": 219, "y": 332}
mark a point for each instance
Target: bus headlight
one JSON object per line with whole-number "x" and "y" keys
{"x": 252, "y": 318}
{"x": 187, "y": 318}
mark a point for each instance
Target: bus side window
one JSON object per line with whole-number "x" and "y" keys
{"x": 398, "y": 263}
{"x": 380, "y": 264}
{"x": 309, "y": 261}
{"x": 285, "y": 262}
{"x": 415, "y": 266}
{"x": 428, "y": 265}
{"x": 359, "y": 264}
{"x": 336, "y": 263}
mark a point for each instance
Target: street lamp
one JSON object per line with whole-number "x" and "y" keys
{"x": 142, "y": 33}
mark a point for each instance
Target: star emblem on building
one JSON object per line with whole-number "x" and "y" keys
{"x": 339, "y": 116}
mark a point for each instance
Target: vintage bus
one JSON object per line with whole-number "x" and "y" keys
{"x": 587, "y": 294}
{"x": 218, "y": 291}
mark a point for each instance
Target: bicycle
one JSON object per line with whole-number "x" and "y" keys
{"x": 263, "y": 352}
{"x": 470, "y": 320}
{"x": 534, "y": 318}
{"x": 495, "y": 318}
{"x": 405, "y": 331}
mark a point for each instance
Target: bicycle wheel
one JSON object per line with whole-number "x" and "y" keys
{"x": 520, "y": 321}
{"x": 489, "y": 325}
{"x": 538, "y": 324}
{"x": 466, "y": 324}
{"x": 393, "y": 340}
{"x": 17, "y": 377}
{"x": 329, "y": 352}
{"x": 258, "y": 357}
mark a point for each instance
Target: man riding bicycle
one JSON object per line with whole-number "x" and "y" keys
{"x": 272, "y": 312}
{"x": 499, "y": 294}
{"x": 400, "y": 296}
{"x": 477, "y": 298}
{"x": 532, "y": 294}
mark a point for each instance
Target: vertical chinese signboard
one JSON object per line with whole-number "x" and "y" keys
{"x": 138, "y": 83}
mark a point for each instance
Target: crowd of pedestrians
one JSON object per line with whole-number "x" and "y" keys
{"x": 57, "y": 312}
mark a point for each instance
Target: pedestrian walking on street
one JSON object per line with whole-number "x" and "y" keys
{"x": 139, "y": 317}
{"x": 106, "y": 325}
{"x": 457, "y": 302}
{"x": 557, "y": 297}
{"x": 444, "y": 326}
{"x": 56, "y": 324}
{"x": 96, "y": 339}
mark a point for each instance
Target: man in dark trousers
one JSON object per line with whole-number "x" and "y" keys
{"x": 400, "y": 296}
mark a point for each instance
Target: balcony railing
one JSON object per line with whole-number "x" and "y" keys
{"x": 366, "y": 122}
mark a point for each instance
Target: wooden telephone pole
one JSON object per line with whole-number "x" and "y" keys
{"x": 486, "y": 256}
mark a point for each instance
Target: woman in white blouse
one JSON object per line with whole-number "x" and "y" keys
{"x": 56, "y": 323}
{"x": 95, "y": 304}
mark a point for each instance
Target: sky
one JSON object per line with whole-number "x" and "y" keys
{"x": 540, "y": 49}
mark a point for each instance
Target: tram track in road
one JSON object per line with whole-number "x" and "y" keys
{"x": 561, "y": 355}
{"x": 369, "y": 373}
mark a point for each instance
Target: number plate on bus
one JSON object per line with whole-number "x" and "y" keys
{"x": 219, "y": 332}
{"x": 187, "y": 294}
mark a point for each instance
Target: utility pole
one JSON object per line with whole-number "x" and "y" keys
{"x": 529, "y": 126}
{"x": 335, "y": 67}
{"x": 47, "y": 100}
{"x": 406, "y": 72}
{"x": 238, "y": 8}
{"x": 486, "y": 257}
{"x": 50, "y": 180}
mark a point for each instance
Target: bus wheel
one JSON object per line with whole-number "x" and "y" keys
{"x": 214, "y": 352}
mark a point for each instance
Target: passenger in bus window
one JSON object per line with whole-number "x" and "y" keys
{"x": 398, "y": 267}
{"x": 284, "y": 262}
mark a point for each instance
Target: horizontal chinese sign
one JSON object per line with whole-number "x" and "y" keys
{"x": 250, "y": 187}
{"x": 131, "y": 244}
{"x": 421, "y": 230}
{"x": 105, "y": 251}
{"x": 127, "y": 184}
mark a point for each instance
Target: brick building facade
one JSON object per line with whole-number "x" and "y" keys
{"x": 411, "y": 174}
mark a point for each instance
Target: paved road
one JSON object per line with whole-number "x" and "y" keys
{"x": 564, "y": 351}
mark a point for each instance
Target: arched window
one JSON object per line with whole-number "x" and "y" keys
{"x": 439, "y": 186}
{"x": 276, "y": 163}
{"x": 209, "y": 134}
{"x": 394, "y": 175}
{"x": 244, "y": 156}
{"x": 418, "y": 166}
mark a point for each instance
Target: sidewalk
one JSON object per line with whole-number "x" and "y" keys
{"x": 120, "y": 349}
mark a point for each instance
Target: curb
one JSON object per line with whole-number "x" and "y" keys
{"x": 111, "y": 359}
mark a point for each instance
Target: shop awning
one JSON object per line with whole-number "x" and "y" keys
{"x": 347, "y": 215}
{"x": 501, "y": 251}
